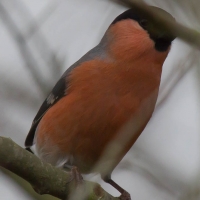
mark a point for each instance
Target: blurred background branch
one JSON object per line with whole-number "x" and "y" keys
{"x": 44, "y": 51}
{"x": 187, "y": 34}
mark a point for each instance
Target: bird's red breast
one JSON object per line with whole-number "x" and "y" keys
{"x": 102, "y": 96}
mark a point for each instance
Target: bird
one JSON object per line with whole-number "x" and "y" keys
{"x": 100, "y": 93}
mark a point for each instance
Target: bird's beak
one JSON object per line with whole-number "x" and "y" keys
{"x": 166, "y": 36}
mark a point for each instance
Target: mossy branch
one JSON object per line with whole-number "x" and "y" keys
{"x": 44, "y": 178}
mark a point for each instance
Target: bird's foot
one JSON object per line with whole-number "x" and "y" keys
{"x": 77, "y": 182}
{"x": 74, "y": 173}
{"x": 76, "y": 176}
{"x": 125, "y": 196}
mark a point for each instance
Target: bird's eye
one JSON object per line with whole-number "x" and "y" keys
{"x": 144, "y": 23}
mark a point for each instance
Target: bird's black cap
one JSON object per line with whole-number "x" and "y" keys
{"x": 157, "y": 33}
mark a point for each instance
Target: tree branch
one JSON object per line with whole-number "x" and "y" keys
{"x": 191, "y": 36}
{"x": 44, "y": 178}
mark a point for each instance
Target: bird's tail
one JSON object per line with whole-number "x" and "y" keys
{"x": 29, "y": 149}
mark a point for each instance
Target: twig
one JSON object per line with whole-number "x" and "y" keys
{"x": 24, "y": 50}
{"x": 188, "y": 35}
{"x": 185, "y": 65}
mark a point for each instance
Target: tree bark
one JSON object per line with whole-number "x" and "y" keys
{"x": 44, "y": 178}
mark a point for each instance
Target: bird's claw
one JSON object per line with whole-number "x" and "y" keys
{"x": 125, "y": 196}
{"x": 76, "y": 176}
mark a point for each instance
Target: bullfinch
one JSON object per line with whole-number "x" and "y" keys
{"x": 100, "y": 93}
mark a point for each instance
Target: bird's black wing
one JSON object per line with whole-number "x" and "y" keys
{"x": 56, "y": 94}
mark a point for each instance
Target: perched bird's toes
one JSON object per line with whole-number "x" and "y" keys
{"x": 76, "y": 176}
{"x": 125, "y": 196}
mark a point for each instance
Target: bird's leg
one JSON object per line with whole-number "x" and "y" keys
{"x": 124, "y": 194}
{"x": 75, "y": 174}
